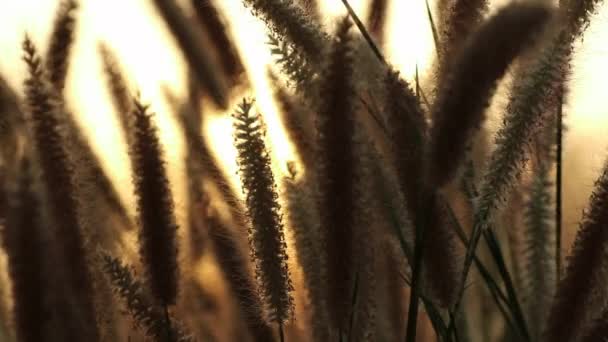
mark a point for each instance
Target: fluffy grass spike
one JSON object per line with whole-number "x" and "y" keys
{"x": 145, "y": 314}
{"x": 337, "y": 162}
{"x": 466, "y": 93}
{"x": 212, "y": 22}
{"x": 539, "y": 241}
{"x": 266, "y": 234}
{"x": 304, "y": 221}
{"x": 460, "y": 20}
{"x": 62, "y": 37}
{"x": 376, "y": 21}
{"x": 408, "y": 134}
{"x": 117, "y": 85}
{"x": 234, "y": 266}
{"x": 196, "y": 51}
{"x": 582, "y": 286}
{"x": 57, "y": 175}
{"x": 289, "y": 21}
{"x": 157, "y": 237}
{"x": 23, "y": 243}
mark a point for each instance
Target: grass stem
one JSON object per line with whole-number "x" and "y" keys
{"x": 558, "y": 184}
{"x": 364, "y": 32}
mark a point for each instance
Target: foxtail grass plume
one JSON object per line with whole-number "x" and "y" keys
{"x": 336, "y": 174}
{"x": 203, "y": 152}
{"x": 266, "y": 236}
{"x": 311, "y": 8}
{"x": 408, "y": 133}
{"x": 11, "y": 127}
{"x": 528, "y": 100}
{"x": 376, "y": 21}
{"x": 23, "y": 243}
{"x": 145, "y": 313}
{"x": 157, "y": 237}
{"x": 408, "y": 129}
{"x": 57, "y": 67}
{"x": 234, "y": 266}
{"x": 531, "y": 95}
{"x": 304, "y": 222}
{"x": 576, "y": 14}
{"x": 299, "y": 126}
{"x": 191, "y": 112}
{"x": 539, "y": 267}
{"x": 293, "y": 64}
{"x": 117, "y": 85}
{"x": 583, "y": 284}
{"x": 441, "y": 270}
{"x": 465, "y": 95}
{"x": 196, "y": 51}
{"x": 57, "y": 174}
{"x": 460, "y": 19}
{"x": 289, "y": 22}
{"x": 58, "y": 54}
{"x": 210, "y": 19}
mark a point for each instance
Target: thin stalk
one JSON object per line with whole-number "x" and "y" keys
{"x": 167, "y": 323}
{"x": 432, "y": 312}
{"x": 364, "y": 32}
{"x": 412, "y": 315}
{"x": 510, "y": 299}
{"x": 281, "y": 333}
{"x": 354, "y": 302}
{"x": 497, "y": 293}
{"x": 453, "y": 319}
{"x": 433, "y": 28}
{"x": 558, "y": 184}
{"x": 494, "y": 248}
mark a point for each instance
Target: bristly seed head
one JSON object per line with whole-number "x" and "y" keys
{"x": 157, "y": 237}
{"x": 266, "y": 237}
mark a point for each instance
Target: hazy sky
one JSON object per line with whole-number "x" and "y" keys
{"x": 145, "y": 48}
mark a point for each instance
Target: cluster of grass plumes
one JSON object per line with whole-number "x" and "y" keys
{"x": 472, "y": 77}
{"x": 59, "y": 189}
{"x": 385, "y": 205}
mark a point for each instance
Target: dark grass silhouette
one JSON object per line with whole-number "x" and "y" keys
{"x": 158, "y": 241}
{"x": 266, "y": 236}
{"x": 374, "y": 208}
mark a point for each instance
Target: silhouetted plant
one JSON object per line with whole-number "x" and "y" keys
{"x": 387, "y": 182}
{"x": 158, "y": 241}
{"x": 61, "y": 42}
{"x": 337, "y": 163}
{"x": 146, "y": 314}
{"x": 266, "y": 237}
{"x": 57, "y": 176}
{"x": 234, "y": 265}
{"x": 24, "y": 244}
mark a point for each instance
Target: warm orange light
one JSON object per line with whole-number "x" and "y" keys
{"x": 148, "y": 52}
